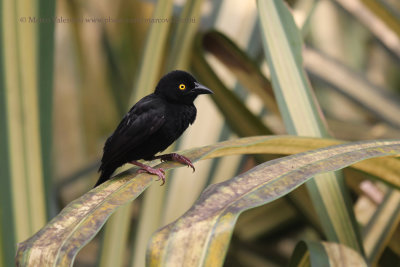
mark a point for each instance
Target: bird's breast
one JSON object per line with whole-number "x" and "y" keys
{"x": 178, "y": 118}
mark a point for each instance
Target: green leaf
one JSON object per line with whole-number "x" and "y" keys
{"x": 282, "y": 45}
{"x": 153, "y": 54}
{"x": 379, "y": 101}
{"x": 45, "y": 85}
{"x": 183, "y": 39}
{"x": 23, "y": 122}
{"x": 381, "y": 23}
{"x": 115, "y": 238}
{"x": 302, "y": 116}
{"x": 238, "y": 62}
{"x": 79, "y": 222}
{"x": 201, "y": 236}
{"x": 380, "y": 228}
{"x": 7, "y": 221}
{"x": 316, "y": 254}
{"x": 237, "y": 115}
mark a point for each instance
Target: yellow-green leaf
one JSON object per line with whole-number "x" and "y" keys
{"x": 380, "y": 228}
{"x": 240, "y": 64}
{"x": 316, "y": 254}
{"x": 201, "y": 236}
{"x": 60, "y": 240}
{"x": 379, "y": 21}
{"x": 301, "y": 114}
{"x": 379, "y": 101}
{"x": 26, "y": 57}
{"x": 238, "y": 116}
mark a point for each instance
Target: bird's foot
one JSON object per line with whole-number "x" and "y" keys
{"x": 176, "y": 157}
{"x": 160, "y": 172}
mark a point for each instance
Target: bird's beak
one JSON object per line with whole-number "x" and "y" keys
{"x": 201, "y": 89}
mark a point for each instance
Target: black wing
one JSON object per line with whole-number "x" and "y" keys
{"x": 143, "y": 120}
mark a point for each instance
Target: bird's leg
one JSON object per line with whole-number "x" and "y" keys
{"x": 145, "y": 168}
{"x": 176, "y": 157}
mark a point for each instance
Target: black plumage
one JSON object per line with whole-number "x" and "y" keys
{"x": 152, "y": 125}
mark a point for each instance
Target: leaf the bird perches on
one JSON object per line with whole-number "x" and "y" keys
{"x": 218, "y": 207}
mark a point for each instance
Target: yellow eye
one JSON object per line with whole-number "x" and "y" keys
{"x": 182, "y": 86}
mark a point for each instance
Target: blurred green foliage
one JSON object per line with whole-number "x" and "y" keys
{"x": 65, "y": 86}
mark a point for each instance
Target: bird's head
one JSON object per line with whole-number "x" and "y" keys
{"x": 180, "y": 86}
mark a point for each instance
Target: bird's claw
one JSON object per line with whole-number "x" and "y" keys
{"x": 178, "y": 158}
{"x": 188, "y": 162}
{"x": 160, "y": 172}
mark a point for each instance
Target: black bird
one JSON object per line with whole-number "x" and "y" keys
{"x": 152, "y": 125}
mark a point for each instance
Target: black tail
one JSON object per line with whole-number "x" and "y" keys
{"x": 105, "y": 175}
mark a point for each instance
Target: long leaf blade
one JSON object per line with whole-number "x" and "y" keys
{"x": 378, "y": 100}
{"x": 239, "y": 63}
{"x": 315, "y": 254}
{"x": 301, "y": 114}
{"x": 382, "y": 24}
{"x": 201, "y": 236}
{"x": 79, "y": 222}
{"x": 22, "y": 187}
{"x": 381, "y": 226}
{"x": 238, "y": 116}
